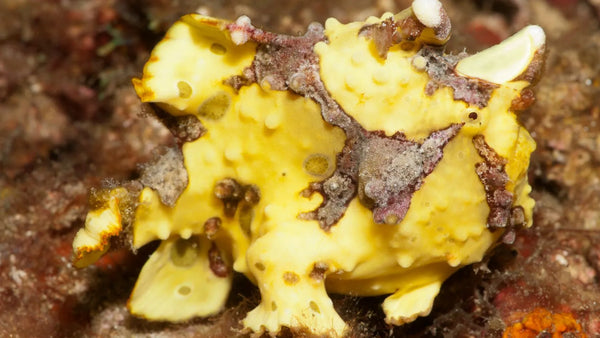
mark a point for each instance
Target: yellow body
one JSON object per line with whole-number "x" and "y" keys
{"x": 279, "y": 142}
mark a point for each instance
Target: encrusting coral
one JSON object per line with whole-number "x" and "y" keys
{"x": 358, "y": 158}
{"x": 543, "y": 322}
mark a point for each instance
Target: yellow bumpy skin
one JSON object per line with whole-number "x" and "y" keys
{"x": 358, "y": 158}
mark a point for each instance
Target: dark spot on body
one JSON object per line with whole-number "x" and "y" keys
{"x": 216, "y": 263}
{"x": 231, "y": 192}
{"x": 251, "y": 194}
{"x": 212, "y": 226}
{"x": 318, "y": 271}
